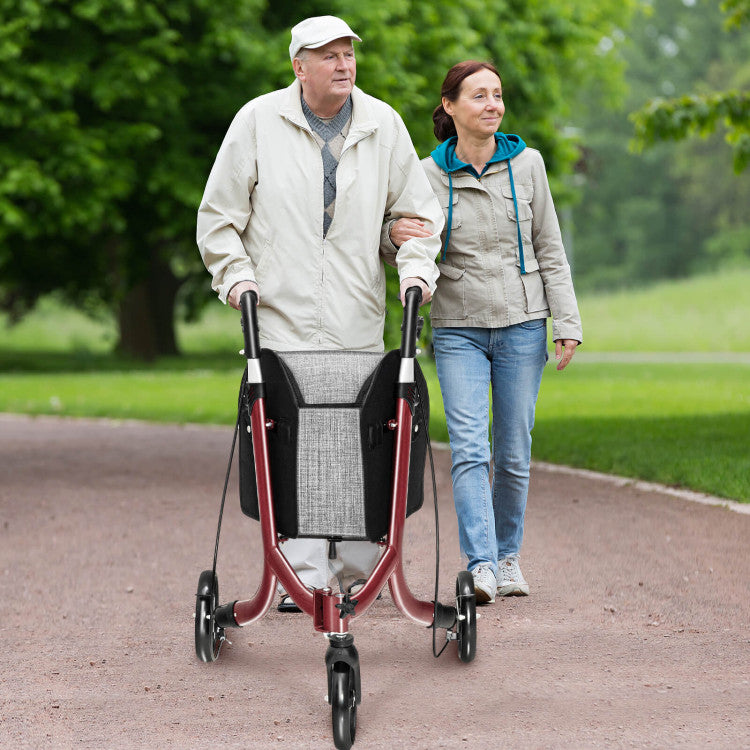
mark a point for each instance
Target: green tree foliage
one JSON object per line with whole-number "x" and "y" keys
{"x": 702, "y": 113}
{"x": 111, "y": 112}
{"x": 674, "y": 208}
{"x": 717, "y": 199}
{"x": 545, "y": 51}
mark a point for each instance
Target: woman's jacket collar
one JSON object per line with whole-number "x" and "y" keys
{"x": 507, "y": 146}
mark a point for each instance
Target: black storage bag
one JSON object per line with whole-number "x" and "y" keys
{"x": 359, "y": 508}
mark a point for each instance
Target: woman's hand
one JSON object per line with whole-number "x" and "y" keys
{"x": 564, "y": 357}
{"x": 408, "y": 229}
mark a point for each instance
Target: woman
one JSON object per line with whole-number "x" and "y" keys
{"x": 503, "y": 272}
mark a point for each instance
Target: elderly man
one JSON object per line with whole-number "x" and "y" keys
{"x": 298, "y": 208}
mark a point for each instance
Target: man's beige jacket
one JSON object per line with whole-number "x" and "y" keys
{"x": 261, "y": 219}
{"x": 480, "y": 283}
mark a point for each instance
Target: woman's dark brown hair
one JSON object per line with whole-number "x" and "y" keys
{"x": 444, "y": 127}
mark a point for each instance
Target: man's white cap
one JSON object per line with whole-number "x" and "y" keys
{"x": 317, "y": 31}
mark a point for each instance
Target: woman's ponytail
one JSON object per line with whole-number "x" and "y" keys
{"x": 444, "y": 127}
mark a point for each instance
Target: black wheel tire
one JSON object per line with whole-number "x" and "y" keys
{"x": 466, "y": 627}
{"x": 208, "y": 637}
{"x": 343, "y": 706}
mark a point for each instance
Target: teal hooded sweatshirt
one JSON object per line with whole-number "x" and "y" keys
{"x": 507, "y": 146}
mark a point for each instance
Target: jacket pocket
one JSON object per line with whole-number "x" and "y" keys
{"x": 449, "y": 301}
{"x": 524, "y": 194}
{"x": 533, "y": 286}
{"x": 456, "y": 214}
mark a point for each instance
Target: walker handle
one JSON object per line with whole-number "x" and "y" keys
{"x": 249, "y": 317}
{"x": 412, "y": 301}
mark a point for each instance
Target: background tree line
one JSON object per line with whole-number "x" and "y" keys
{"x": 672, "y": 209}
{"x": 111, "y": 112}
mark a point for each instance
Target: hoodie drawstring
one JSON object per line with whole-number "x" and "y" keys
{"x": 450, "y": 216}
{"x": 515, "y": 207}
{"x": 518, "y": 222}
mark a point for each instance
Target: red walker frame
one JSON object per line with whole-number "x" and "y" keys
{"x": 321, "y": 604}
{"x": 324, "y": 605}
{"x": 331, "y": 611}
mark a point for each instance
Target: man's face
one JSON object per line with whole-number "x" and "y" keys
{"x": 328, "y": 73}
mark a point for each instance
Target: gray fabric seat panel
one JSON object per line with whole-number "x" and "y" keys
{"x": 331, "y": 377}
{"x": 330, "y": 475}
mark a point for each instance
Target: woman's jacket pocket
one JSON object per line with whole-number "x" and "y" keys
{"x": 524, "y": 194}
{"x": 449, "y": 301}
{"x": 533, "y": 286}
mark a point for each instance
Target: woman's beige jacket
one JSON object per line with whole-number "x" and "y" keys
{"x": 480, "y": 283}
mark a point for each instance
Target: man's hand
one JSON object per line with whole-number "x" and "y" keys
{"x": 233, "y": 298}
{"x": 408, "y": 229}
{"x": 570, "y": 349}
{"x": 415, "y": 281}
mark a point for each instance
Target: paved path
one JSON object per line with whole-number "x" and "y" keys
{"x": 637, "y": 632}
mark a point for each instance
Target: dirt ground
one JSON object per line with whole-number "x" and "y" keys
{"x": 636, "y": 633}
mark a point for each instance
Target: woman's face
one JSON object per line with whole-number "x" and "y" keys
{"x": 479, "y": 109}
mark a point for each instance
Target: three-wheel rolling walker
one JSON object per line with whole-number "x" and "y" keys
{"x": 333, "y": 446}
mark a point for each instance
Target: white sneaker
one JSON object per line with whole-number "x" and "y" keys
{"x": 485, "y": 583}
{"x": 510, "y": 580}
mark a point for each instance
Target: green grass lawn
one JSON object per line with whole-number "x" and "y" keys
{"x": 685, "y": 424}
{"x": 702, "y": 314}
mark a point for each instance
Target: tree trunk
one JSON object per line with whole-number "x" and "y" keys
{"x": 146, "y": 316}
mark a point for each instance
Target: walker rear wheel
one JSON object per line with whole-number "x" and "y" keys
{"x": 343, "y": 701}
{"x": 466, "y": 627}
{"x": 208, "y": 637}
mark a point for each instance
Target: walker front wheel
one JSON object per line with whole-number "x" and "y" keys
{"x": 343, "y": 701}
{"x": 208, "y": 636}
{"x": 466, "y": 606}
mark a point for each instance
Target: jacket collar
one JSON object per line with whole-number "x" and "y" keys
{"x": 506, "y": 147}
{"x": 363, "y": 124}
{"x": 463, "y": 179}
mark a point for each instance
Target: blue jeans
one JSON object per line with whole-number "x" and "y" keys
{"x": 469, "y": 361}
